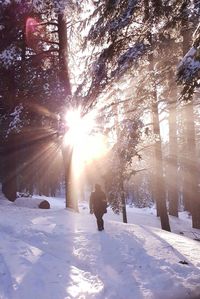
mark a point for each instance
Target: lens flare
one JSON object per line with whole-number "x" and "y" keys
{"x": 33, "y": 33}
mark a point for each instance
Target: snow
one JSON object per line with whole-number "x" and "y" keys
{"x": 5, "y": 2}
{"x": 8, "y": 56}
{"x": 130, "y": 57}
{"x": 16, "y": 123}
{"x": 59, "y": 254}
{"x": 189, "y": 66}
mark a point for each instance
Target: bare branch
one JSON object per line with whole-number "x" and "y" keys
{"x": 43, "y": 52}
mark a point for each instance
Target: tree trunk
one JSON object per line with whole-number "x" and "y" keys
{"x": 160, "y": 189}
{"x": 63, "y": 54}
{"x": 124, "y": 214}
{"x": 191, "y": 188}
{"x": 187, "y": 36}
{"x": 191, "y": 177}
{"x": 159, "y": 192}
{"x": 172, "y": 167}
{"x": 9, "y": 183}
{"x": 172, "y": 164}
{"x": 146, "y": 10}
{"x": 65, "y": 84}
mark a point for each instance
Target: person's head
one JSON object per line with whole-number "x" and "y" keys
{"x": 97, "y": 187}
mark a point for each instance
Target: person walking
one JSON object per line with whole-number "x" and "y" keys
{"x": 98, "y": 205}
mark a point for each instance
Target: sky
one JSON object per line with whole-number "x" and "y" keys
{"x": 60, "y": 254}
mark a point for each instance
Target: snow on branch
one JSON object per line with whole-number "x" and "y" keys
{"x": 8, "y": 56}
{"x": 4, "y": 2}
{"x": 128, "y": 58}
{"x": 114, "y": 16}
{"x": 16, "y": 122}
{"x": 188, "y": 70}
{"x": 189, "y": 67}
{"x": 124, "y": 19}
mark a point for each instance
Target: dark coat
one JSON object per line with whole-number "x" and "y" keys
{"x": 98, "y": 202}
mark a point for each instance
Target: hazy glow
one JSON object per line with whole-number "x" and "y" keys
{"x": 78, "y": 128}
{"x": 86, "y": 146}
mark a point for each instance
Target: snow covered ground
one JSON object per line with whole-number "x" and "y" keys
{"x": 58, "y": 254}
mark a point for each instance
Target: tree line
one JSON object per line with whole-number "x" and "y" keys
{"x": 122, "y": 58}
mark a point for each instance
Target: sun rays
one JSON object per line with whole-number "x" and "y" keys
{"x": 87, "y": 145}
{"x": 47, "y": 154}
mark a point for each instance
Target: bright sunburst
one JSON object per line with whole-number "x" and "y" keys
{"x": 87, "y": 146}
{"x": 78, "y": 127}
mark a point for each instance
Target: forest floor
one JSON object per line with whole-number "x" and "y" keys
{"x": 59, "y": 254}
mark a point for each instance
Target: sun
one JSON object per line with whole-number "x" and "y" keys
{"x": 87, "y": 145}
{"x": 78, "y": 128}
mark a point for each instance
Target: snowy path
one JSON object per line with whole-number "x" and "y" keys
{"x": 58, "y": 254}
